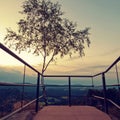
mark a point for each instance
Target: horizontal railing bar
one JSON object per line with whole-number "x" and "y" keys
{"x": 113, "y": 85}
{"x": 68, "y": 76}
{"x": 117, "y": 106}
{"x": 118, "y": 59}
{"x": 114, "y": 103}
{"x": 98, "y": 74}
{"x": 34, "y": 85}
{"x": 17, "y": 57}
{"x": 98, "y": 97}
{"x": 67, "y": 96}
{"x": 67, "y": 85}
{"x": 107, "y": 85}
{"x": 18, "y": 110}
{"x": 16, "y": 84}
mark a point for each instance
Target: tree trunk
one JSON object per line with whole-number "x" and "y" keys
{"x": 43, "y": 89}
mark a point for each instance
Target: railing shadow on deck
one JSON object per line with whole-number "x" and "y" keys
{"x": 72, "y": 95}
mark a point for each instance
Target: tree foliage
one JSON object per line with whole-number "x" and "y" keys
{"x": 44, "y": 31}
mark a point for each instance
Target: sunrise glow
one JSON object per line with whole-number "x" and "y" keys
{"x": 101, "y": 16}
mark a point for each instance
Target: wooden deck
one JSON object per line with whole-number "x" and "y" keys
{"x": 70, "y": 113}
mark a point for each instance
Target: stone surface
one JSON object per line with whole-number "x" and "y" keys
{"x": 70, "y": 113}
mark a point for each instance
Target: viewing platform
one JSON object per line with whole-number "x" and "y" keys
{"x": 72, "y": 97}
{"x": 71, "y": 113}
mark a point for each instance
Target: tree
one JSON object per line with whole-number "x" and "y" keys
{"x": 44, "y": 31}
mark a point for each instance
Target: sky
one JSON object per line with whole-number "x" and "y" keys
{"x": 102, "y": 16}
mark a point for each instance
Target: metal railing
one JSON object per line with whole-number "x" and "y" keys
{"x": 101, "y": 98}
{"x": 69, "y": 85}
{"x": 104, "y": 82}
{"x": 37, "y": 85}
{"x": 108, "y": 104}
{"x": 103, "y": 79}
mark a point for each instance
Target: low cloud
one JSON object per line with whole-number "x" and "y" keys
{"x": 98, "y": 66}
{"x": 8, "y": 74}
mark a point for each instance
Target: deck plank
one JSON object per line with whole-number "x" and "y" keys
{"x": 71, "y": 113}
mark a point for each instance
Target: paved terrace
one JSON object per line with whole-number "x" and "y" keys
{"x": 71, "y": 113}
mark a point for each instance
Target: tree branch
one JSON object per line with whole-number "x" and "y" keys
{"x": 49, "y": 61}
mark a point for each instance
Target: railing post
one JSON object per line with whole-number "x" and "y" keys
{"x": 44, "y": 91}
{"x": 117, "y": 77}
{"x": 92, "y": 82}
{"x": 37, "y": 93}
{"x": 23, "y": 88}
{"x": 69, "y": 82}
{"x": 104, "y": 90}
